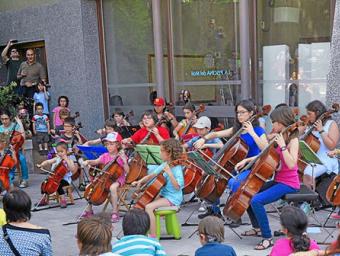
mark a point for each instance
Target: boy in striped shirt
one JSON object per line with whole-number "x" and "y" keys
{"x": 136, "y": 224}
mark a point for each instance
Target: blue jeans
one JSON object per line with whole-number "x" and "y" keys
{"x": 235, "y": 183}
{"x": 23, "y": 167}
{"x": 270, "y": 192}
{"x": 215, "y": 207}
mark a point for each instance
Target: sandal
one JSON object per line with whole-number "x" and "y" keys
{"x": 252, "y": 232}
{"x": 264, "y": 244}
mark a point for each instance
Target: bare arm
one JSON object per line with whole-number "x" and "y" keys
{"x": 54, "y": 117}
{"x": 331, "y": 137}
{"x": 290, "y": 155}
{"x": 5, "y": 51}
{"x": 92, "y": 142}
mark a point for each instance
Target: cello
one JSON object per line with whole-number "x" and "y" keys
{"x": 98, "y": 191}
{"x": 235, "y": 150}
{"x": 149, "y": 191}
{"x": 188, "y": 132}
{"x": 262, "y": 169}
{"x": 333, "y": 191}
{"x": 50, "y": 184}
{"x": 312, "y": 141}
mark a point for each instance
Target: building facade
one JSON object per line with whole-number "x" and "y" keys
{"x": 109, "y": 54}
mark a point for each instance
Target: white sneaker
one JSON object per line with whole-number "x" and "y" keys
{"x": 23, "y": 184}
{"x": 203, "y": 207}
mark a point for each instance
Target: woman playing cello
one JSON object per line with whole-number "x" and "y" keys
{"x": 113, "y": 145}
{"x": 72, "y": 166}
{"x": 327, "y": 132}
{"x": 286, "y": 179}
{"x": 171, "y": 194}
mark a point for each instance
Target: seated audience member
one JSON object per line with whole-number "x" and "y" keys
{"x": 94, "y": 236}
{"x": 136, "y": 224}
{"x": 18, "y": 236}
{"x": 294, "y": 223}
{"x": 211, "y": 233}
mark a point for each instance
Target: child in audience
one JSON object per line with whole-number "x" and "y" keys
{"x": 135, "y": 241}
{"x": 94, "y": 236}
{"x": 211, "y": 233}
{"x": 294, "y": 223}
{"x": 41, "y": 127}
{"x": 42, "y": 96}
{"x": 62, "y": 104}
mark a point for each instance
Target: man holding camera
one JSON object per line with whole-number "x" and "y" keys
{"x": 12, "y": 61}
{"x": 30, "y": 72}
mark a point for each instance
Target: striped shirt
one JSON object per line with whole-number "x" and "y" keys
{"x": 138, "y": 245}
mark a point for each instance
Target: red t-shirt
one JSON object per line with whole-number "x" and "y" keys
{"x": 140, "y": 135}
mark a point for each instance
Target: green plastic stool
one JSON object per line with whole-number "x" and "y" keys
{"x": 173, "y": 228}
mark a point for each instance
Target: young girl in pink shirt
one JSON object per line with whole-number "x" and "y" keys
{"x": 286, "y": 176}
{"x": 113, "y": 145}
{"x": 63, "y": 102}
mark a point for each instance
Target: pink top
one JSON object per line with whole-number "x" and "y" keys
{"x": 285, "y": 175}
{"x": 56, "y": 111}
{"x": 106, "y": 158}
{"x": 282, "y": 247}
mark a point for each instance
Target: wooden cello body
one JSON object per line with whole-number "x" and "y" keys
{"x": 152, "y": 189}
{"x": 210, "y": 188}
{"x": 333, "y": 191}
{"x": 98, "y": 191}
{"x": 6, "y": 164}
{"x": 51, "y": 184}
{"x": 263, "y": 170}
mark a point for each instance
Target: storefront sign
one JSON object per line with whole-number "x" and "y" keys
{"x": 212, "y": 72}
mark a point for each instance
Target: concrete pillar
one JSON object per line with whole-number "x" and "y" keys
{"x": 333, "y": 86}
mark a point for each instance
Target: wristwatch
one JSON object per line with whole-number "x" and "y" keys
{"x": 322, "y": 131}
{"x": 283, "y": 148}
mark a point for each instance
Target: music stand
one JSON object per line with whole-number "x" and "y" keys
{"x": 308, "y": 156}
{"x": 197, "y": 158}
{"x": 208, "y": 169}
{"x": 149, "y": 153}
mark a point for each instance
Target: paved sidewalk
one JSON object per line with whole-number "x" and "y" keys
{"x": 64, "y": 242}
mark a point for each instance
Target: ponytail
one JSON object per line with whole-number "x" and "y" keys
{"x": 300, "y": 243}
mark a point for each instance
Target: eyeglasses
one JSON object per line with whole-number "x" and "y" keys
{"x": 241, "y": 112}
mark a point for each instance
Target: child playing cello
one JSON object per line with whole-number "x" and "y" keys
{"x": 171, "y": 194}
{"x": 70, "y": 163}
{"x": 190, "y": 119}
{"x": 113, "y": 145}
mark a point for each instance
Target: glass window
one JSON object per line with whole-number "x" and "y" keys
{"x": 293, "y": 48}
{"x": 206, "y": 51}
{"x": 128, "y": 45}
